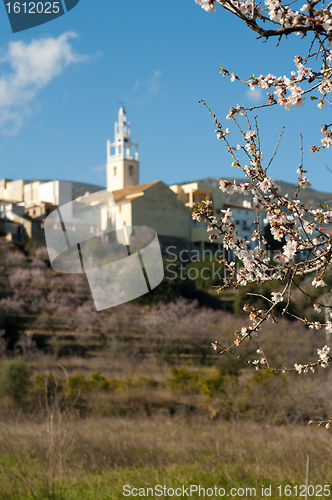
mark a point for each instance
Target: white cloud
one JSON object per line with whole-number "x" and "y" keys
{"x": 154, "y": 82}
{"x": 137, "y": 84}
{"x": 98, "y": 168}
{"x": 255, "y": 95}
{"x": 144, "y": 91}
{"x": 32, "y": 66}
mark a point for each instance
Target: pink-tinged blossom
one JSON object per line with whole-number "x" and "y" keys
{"x": 304, "y": 182}
{"x": 250, "y": 133}
{"x": 38, "y": 263}
{"x": 13, "y": 305}
{"x": 318, "y": 281}
{"x": 329, "y": 327}
{"x": 324, "y": 356}
{"x": 221, "y": 134}
{"x": 227, "y": 216}
{"x": 256, "y": 364}
{"x": 277, "y": 297}
{"x": 316, "y": 307}
{"x": 290, "y": 249}
{"x": 327, "y": 24}
{"x": 299, "y": 368}
{"x": 265, "y": 185}
{"x": 215, "y": 344}
{"x": 224, "y": 185}
{"x": 315, "y": 326}
{"x": 196, "y": 216}
{"x": 14, "y": 258}
{"x": 309, "y": 227}
{"x": 19, "y": 277}
{"x": 207, "y": 5}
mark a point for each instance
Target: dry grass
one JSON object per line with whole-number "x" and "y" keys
{"x": 108, "y": 363}
{"x": 94, "y": 458}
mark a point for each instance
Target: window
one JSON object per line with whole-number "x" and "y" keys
{"x": 114, "y": 169}
{"x": 131, "y": 170}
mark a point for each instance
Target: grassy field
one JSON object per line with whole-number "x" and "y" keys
{"x": 74, "y": 428}
{"x": 91, "y": 459}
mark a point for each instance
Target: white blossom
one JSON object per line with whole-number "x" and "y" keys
{"x": 318, "y": 281}
{"x": 265, "y": 185}
{"x": 304, "y": 182}
{"x": 277, "y": 297}
{"x": 323, "y": 355}
{"x": 290, "y": 249}
{"x": 317, "y": 309}
{"x": 299, "y": 368}
{"x": 207, "y": 5}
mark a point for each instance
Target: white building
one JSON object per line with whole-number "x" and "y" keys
{"x": 53, "y": 192}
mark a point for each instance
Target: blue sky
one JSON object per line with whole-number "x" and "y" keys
{"x": 61, "y": 85}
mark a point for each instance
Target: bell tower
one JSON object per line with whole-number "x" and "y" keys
{"x": 122, "y": 156}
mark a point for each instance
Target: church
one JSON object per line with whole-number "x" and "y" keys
{"x": 152, "y": 204}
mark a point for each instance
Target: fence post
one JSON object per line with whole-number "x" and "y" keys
{"x": 307, "y": 477}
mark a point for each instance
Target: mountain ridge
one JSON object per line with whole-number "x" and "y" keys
{"x": 309, "y": 195}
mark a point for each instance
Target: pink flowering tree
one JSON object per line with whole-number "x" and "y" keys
{"x": 302, "y": 230}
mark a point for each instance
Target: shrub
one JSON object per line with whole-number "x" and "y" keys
{"x": 15, "y": 379}
{"x": 47, "y": 386}
{"x": 182, "y": 379}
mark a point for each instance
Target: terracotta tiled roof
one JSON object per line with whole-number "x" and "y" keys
{"x": 132, "y": 191}
{"x": 120, "y": 195}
